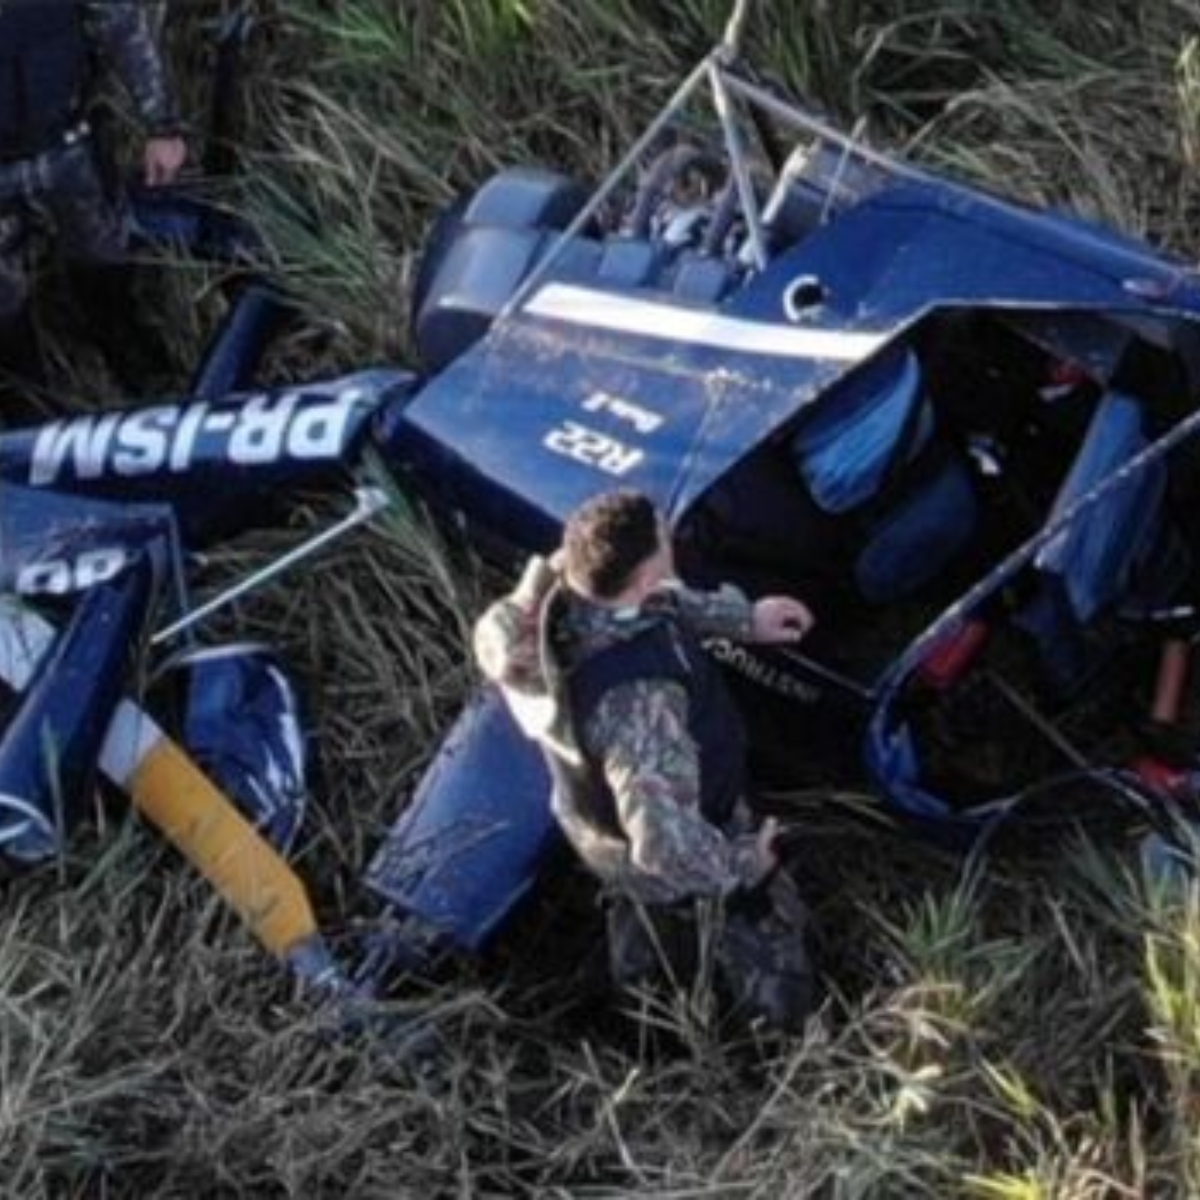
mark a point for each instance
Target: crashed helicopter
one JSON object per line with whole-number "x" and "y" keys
{"x": 963, "y": 429}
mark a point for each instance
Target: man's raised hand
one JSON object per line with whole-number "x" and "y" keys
{"x": 781, "y": 619}
{"x": 163, "y": 159}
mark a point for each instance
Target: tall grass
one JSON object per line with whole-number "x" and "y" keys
{"x": 1022, "y": 1026}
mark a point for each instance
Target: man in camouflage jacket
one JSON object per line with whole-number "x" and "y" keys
{"x": 50, "y": 170}
{"x": 598, "y": 655}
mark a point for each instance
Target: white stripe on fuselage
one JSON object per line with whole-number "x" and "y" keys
{"x": 697, "y": 327}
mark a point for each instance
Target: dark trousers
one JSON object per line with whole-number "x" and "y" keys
{"x": 87, "y": 221}
{"x": 750, "y": 948}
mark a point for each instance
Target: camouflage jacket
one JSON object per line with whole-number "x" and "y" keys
{"x": 638, "y": 735}
{"x": 124, "y": 38}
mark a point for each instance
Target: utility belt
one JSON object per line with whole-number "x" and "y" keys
{"x": 27, "y": 176}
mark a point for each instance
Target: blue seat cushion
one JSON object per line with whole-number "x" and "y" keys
{"x": 918, "y": 535}
{"x": 1097, "y": 555}
{"x": 629, "y": 262}
{"x": 845, "y": 449}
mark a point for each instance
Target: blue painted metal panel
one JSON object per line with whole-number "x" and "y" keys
{"x": 239, "y": 717}
{"x": 918, "y": 246}
{"x": 50, "y": 747}
{"x": 218, "y": 463}
{"x": 52, "y": 544}
{"x": 235, "y": 352}
{"x": 525, "y": 424}
{"x": 1095, "y": 557}
{"x": 548, "y": 412}
{"x": 477, "y": 833}
{"x": 171, "y": 217}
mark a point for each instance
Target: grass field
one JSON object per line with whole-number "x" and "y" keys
{"x": 1010, "y": 1029}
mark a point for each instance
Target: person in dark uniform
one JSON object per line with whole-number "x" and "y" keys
{"x": 598, "y": 654}
{"x": 52, "y": 175}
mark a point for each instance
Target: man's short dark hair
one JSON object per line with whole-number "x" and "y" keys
{"x": 607, "y": 538}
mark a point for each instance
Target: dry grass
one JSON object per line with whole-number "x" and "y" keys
{"x": 1014, "y": 1028}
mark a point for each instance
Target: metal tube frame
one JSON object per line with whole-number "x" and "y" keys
{"x": 726, "y": 86}
{"x": 369, "y": 503}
